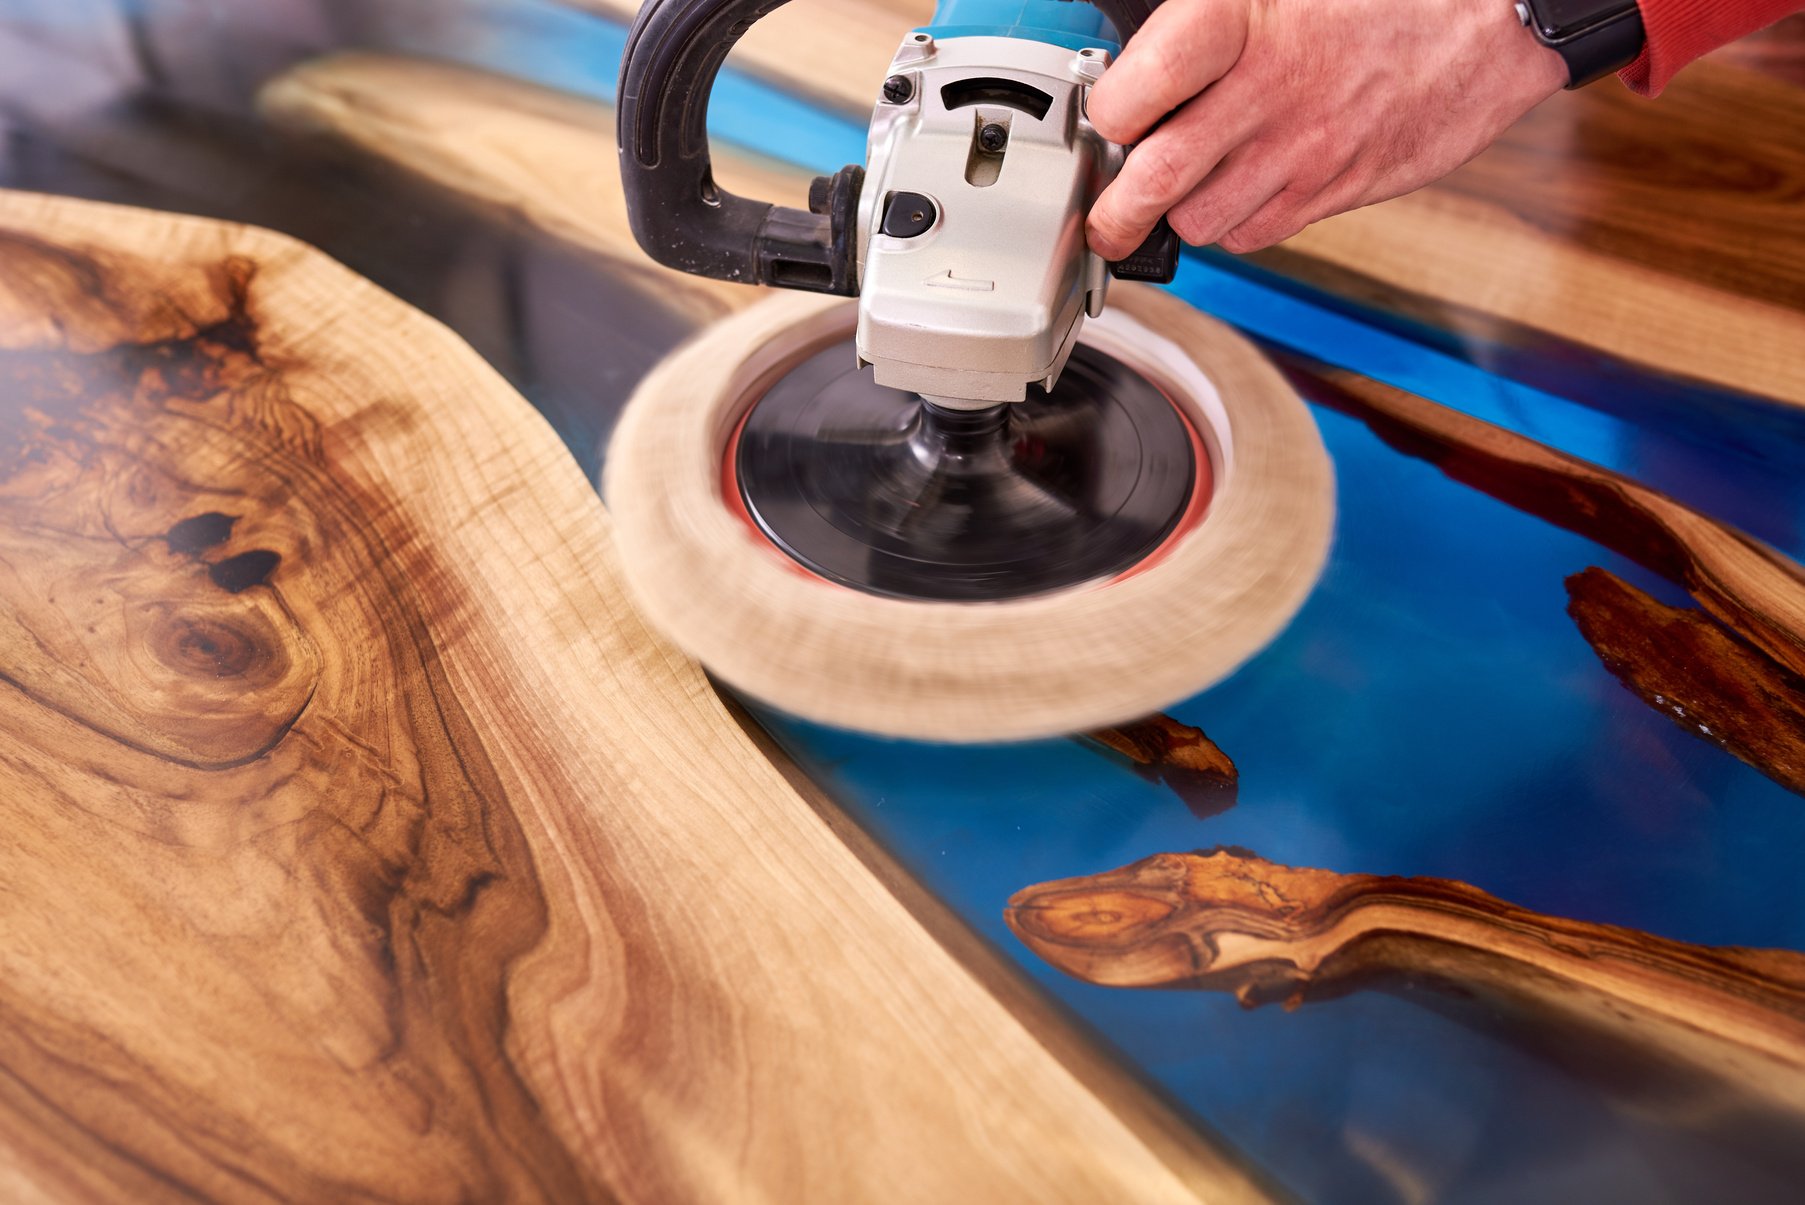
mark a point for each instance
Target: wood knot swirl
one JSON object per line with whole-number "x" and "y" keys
{"x": 208, "y": 647}
{"x": 1092, "y": 917}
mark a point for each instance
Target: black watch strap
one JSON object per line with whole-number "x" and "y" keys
{"x": 1595, "y": 37}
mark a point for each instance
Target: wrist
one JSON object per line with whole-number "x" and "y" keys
{"x": 1526, "y": 69}
{"x": 1593, "y": 38}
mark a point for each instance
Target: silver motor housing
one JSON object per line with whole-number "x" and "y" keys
{"x": 988, "y": 296}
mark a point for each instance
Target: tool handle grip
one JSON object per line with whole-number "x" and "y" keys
{"x": 677, "y": 212}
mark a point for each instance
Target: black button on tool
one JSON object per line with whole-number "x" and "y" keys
{"x": 908, "y": 214}
{"x": 1155, "y": 260}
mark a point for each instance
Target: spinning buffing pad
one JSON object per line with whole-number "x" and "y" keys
{"x": 856, "y": 557}
{"x": 876, "y": 489}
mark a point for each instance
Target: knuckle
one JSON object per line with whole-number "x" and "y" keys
{"x": 1190, "y": 228}
{"x": 1241, "y": 240}
{"x": 1160, "y": 171}
{"x": 1166, "y": 67}
{"x": 1263, "y": 230}
{"x": 1104, "y": 219}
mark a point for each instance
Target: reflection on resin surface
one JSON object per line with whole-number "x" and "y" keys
{"x": 1433, "y": 713}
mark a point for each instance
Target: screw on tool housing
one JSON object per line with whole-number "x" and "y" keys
{"x": 993, "y": 137}
{"x": 898, "y": 89}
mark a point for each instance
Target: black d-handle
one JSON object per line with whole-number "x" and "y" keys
{"x": 678, "y": 214}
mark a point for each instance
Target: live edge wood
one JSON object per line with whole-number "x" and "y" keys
{"x": 1744, "y": 584}
{"x": 360, "y": 843}
{"x": 1228, "y": 920}
{"x": 1702, "y": 676}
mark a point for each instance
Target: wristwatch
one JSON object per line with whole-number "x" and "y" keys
{"x": 1596, "y": 37}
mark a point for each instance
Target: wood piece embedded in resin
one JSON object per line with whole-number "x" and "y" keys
{"x": 1753, "y": 590}
{"x": 1686, "y": 666}
{"x": 1182, "y": 757}
{"x": 1228, "y": 920}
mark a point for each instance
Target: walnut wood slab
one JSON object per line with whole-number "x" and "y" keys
{"x": 362, "y": 844}
{"x": 1230, "y": 921}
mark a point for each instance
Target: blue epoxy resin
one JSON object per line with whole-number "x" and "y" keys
{"x": 1059, "y": 22}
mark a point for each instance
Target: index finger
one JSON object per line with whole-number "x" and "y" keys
{"x": 1184, "y": 47}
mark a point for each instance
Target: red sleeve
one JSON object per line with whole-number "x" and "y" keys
{"x": 1682, "y": 30}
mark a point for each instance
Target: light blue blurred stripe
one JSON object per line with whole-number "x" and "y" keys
{"x": 581, "y": 52}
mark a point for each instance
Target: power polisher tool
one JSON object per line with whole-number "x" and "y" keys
{"x": 954, "y": 487}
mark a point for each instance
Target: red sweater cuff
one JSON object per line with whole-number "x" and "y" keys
{"x": 1680, "y": 31}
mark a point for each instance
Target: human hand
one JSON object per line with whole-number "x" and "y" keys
{"x": 1284, "y": 112}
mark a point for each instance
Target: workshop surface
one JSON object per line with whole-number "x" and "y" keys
{"x": 362, "y": 844}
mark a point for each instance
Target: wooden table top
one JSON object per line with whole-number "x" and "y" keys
{"x": 362, "y": 844}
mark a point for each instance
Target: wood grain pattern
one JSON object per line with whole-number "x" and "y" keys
{"x": 1227, "y": 920}
{"x": 1688, "y": 667}
{"x": 1702, "y": 185}
{"x": 528, "y": 153}
{"x": 1747, "y": 586}
{"x": 1622, "y": 249}
{"x": 361, "y": 843}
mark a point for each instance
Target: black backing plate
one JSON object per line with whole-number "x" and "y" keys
{"x": 875, "y": 489}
